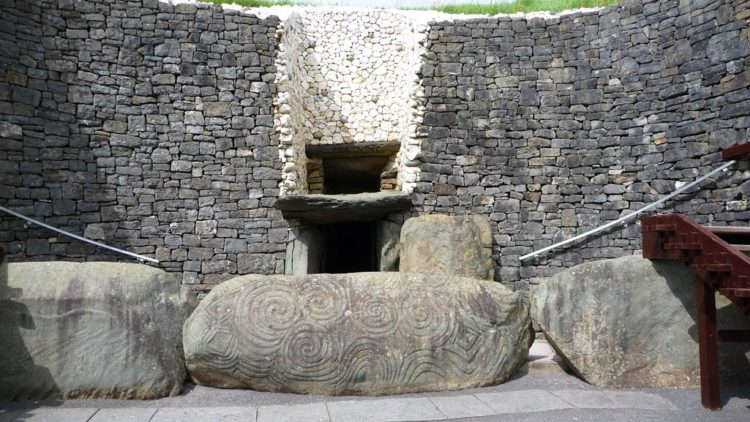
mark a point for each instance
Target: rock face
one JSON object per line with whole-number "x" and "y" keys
{"x": 362, "y": 333}
{"x": 630, "y": 322}
{"x": 71, "y": 330}
{"x": 441, "y": 244}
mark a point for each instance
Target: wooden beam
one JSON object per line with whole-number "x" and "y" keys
{"x": 741, "y": 151}
{"x": 708, "y": 346}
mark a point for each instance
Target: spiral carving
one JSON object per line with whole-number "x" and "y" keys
{"x": 366, "y": 333}
{"x": 324, "y": 302}
{"x": 428, "y": 317}
{"x": 309, "y": 353}
{"x": 376, "y": 316}
{"x": 265, "y": 311}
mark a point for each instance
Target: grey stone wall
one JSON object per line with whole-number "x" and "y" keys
{"x": 145, "y": 125}
{"x": 553, "y": 126}
{"x": 149, "y": 126}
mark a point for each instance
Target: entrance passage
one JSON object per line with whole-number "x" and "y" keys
{"x": 349, "y": 247}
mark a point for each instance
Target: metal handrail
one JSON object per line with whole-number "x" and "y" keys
{"x": 75, "y": 236}
{"x": 624, "y": 218}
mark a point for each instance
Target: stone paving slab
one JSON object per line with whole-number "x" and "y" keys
{"x": 638, "y": 400}
{"x": 384, "y": 410}
{"x": 56, "y": 414}
{"x": 126, "y": 414}
{"x": 526, "y": 404}
{"x": 314, "y": 412}
{"x": 585, "y": 399}
{"x": 205, "y": 414}
{"x": 464, "y": 406}
{"x": 523, "y": 401}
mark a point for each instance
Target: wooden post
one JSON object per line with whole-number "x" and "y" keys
{"x": 708, "y": 346}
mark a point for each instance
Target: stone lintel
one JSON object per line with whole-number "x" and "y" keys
{"x": 370, "y": 149}
{"x": 325, "y": 209}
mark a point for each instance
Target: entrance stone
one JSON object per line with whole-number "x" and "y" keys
{"x": 362, "y": 333}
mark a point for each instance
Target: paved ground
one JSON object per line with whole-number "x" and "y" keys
{"x": 540, "y": 392}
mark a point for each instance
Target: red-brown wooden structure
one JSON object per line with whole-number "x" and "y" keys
{"x": 719, "y": 258}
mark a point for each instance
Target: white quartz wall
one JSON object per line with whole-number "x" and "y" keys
{"x": 348, "y": 76}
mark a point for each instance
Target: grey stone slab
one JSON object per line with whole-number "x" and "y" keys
{"x": 124, "y": 414}
{"x": 56, "y": 414}
{"x": 638, "y": 400}
{"x": 323, "y": 209}
{"x": 7, "y": 415}
{"x": 314, "y": 412}
{"x": 205, "y": 414}
{"x": 585, "y": 399}
{"x": 523, "y": 401}
{"x": 466, "y": 406}
{"x": 384, "y": 410}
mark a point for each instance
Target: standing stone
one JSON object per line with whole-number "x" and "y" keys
{"x": 387, "y": 245}
{"x": 445, "y": 245}
{"x": 631, "y": 323}
{"x": 108, "y": 330}
{"x": 361, "y": 333}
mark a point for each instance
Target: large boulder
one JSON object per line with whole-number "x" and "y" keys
{"x": 451, "y": 245}
{"x": 77, "y": 330}
{"x": 631, "y": 322}
{"x": 361, "y": 333}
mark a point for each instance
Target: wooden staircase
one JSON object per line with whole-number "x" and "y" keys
{"x": 720, "y": 259}
{"x": 719, "y": 256}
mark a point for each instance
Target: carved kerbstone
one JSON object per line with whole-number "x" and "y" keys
{"x": 363, "y": 333}
{"x": 96, "y": 329}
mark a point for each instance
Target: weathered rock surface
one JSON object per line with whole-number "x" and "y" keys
{"x": 630, "y": 322}
{"x": 72, "y": 330}
{"x": 323, "y": 209}
{"x": 445, "y": 245}
{"x": 362, "y": 333}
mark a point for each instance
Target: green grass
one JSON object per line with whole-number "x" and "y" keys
{"x": 469, "y": 8}
{"x": 254, "y": 3}
{"x": 524, "y": 6}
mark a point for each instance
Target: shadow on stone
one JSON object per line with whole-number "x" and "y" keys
{"x": 734, "y": 358}
{"x": 20, "y": 377}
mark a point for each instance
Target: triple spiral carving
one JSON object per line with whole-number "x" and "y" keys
{"x": 337, "y": 334}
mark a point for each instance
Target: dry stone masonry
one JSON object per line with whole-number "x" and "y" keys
{"x": 553, "y": 125}
{"x": 146, "y": 125}
{"x": 171, "y": 128}
{"x": 346, "y": 76}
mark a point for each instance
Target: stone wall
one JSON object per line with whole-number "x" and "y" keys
{"x": 553, "y": 125}
{"x": 345, "y": 76}
{"x": 145, "y": 125}
{"x": 157, "y": 127}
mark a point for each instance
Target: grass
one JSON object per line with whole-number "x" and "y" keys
{"x": 254, "y": 3}
{"x": 524, "y": 6}
{"x": 469, "y": 8}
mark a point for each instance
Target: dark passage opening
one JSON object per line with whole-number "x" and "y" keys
{"x": 352, "y": 174}
{"x": 349, "y": 247}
